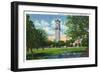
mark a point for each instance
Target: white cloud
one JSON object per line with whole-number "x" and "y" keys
{"x": 44, "y": 23}
{"x": 48, "y": 30}
{"x": 49, "y": 27}
{"x": 53, "y": 24}
{"x": 41, "y": 23}
{"x": 37, "y": 24}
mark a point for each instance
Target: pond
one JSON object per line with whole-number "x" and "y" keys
{"x": 66, "y": 55}
{"x": 57, "y": 56}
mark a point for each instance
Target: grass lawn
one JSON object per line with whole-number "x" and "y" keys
{"x": 59, "y": 50}
{"x": 42, "y": 54}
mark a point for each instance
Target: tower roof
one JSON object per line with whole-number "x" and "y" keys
{"x": 57, "y": 20}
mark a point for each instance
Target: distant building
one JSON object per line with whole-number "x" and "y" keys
{"x": 57, "y": 36}
{"x": 57, "y": 30}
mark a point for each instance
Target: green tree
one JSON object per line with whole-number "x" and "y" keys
{"x": 61, "y": 43}
{"x": 49, "y": 43}
{"x": 35, "y": 38}
{"x": 29, "y": 31}
{"x": 68, "y": 43}
{"x": 54, "y": 43}
{"x": 41, "y": 38}
{"x": 78, "y": 27}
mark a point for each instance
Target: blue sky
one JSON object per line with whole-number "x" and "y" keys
{"x": 47, "y": 22}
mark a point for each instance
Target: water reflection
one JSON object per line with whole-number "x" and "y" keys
{"x": 67, "y": 55}
{"x": 62, "y": 55}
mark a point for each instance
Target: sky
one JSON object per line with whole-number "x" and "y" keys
{"x": 47, "y": 22}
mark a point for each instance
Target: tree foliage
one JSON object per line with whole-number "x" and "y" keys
{"x": 78, "y": 27}
{"x": 35, "y": 38}
{"x": 68, "y": 43}
{"x": 29, "y": 31}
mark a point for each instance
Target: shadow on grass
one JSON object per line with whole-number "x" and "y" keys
{"x": 37, "y": 56}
